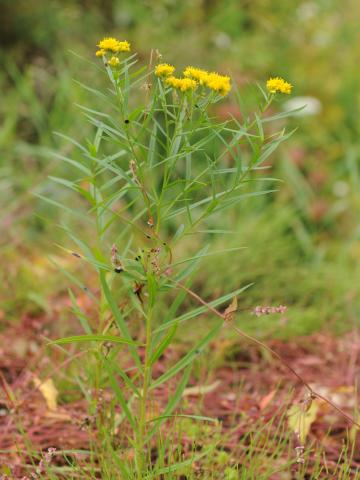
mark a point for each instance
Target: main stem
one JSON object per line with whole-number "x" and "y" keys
{"x": 141, "y": 453}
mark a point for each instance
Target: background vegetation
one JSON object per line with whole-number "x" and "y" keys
{"x": 303, "y": 241}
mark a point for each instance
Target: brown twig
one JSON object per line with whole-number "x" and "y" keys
{"x": 7, "y": 390}
{"x": 225, "y": 318}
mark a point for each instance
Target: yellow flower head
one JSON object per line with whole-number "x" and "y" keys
{"x": 110, "y": 44}
{"x": 114, "y": 62}
{"x": 172, "y": 81}
{"x": 182, "y": 84}
{"x": 124, "y": 46}
{"x": 196, "y": 74}
{"x": 216, "y": 82}
{"x": 164, "y": 70}
{"x": 219, "y": 83}
{"x": 100, "y": 53}
{"x": 278, "y": 84}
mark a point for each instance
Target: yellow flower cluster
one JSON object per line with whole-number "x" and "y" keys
{"x": 197, "y": 74}
{"x": 111, "y": 44}
{"x": 182, "y": 84}
{"x": 219, "y": 83}
{"x": 278, "y": 84}
{"x": 192, "y": 78}
{"x": 164, "y": 70}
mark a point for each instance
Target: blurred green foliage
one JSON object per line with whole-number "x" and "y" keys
{"x": 303, "y": 241}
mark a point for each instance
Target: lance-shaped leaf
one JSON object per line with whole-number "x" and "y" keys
{"x": 172, "y": 403}
{"x": 119, "y": 319}
{"x": 188, "y": 358}
{"x": 92, "y": 338}
{"x": 203, "y": 309}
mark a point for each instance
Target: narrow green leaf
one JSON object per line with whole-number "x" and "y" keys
{"x": 119, "y": 319}
{"x": 203, "y": 309}
{"x": 160, "y": 348}
{"x": 188, "y": 270}
{"x": 172, "y": 403}
{"x": 72, "y": 141}
{"x": 75, "y": 163}
{"x": 179, "y": 465}
{"x": 119, "y": 395}
{"x": 63, "y": 207}
{"x": 93, "y": 338}
{"x": 80, "y": 314}
{"x": 188, "y": 358}
{"x": 279, "y": 116}
{"x": 117, "y": 369}
{"x": 204, "y": 255}
{"x": 180, "y": 415}
{"x": 73, "y": 279}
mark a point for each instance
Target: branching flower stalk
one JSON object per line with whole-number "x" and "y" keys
{"x": 228, "y": 317}
{"x": 160, "y": 165}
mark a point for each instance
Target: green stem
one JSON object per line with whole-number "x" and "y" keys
{"x": 140, "y": 443}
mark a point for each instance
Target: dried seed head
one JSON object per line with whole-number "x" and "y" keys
{"x": 114, "y": 250}
{"x": 146, "y": 86}
{"x": 300, "y": 454}
{"x": 115, "y": 261}
{"x": 267, "y": 310}
{"x": 158, "y": 55}
{"x": 133, "y": 168}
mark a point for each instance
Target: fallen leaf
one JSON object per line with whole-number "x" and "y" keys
{"x": 58, "y": 416}
{"x": 49, "y": 392}
{"x": 301, "y": 417}
{"x": 200, "y": 389}
{"x": 264, "y": 402}
{"x": 231, "y": 310}
{"x": 342, "y": 396}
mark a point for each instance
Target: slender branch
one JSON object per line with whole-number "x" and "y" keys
{"x": 312, "y": 392}
{"x": 7, "y": 390}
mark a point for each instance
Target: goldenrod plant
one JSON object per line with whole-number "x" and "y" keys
{"x": 161, "y": 168}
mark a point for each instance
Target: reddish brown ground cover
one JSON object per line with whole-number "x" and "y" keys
{"x": 246, "y": 387}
